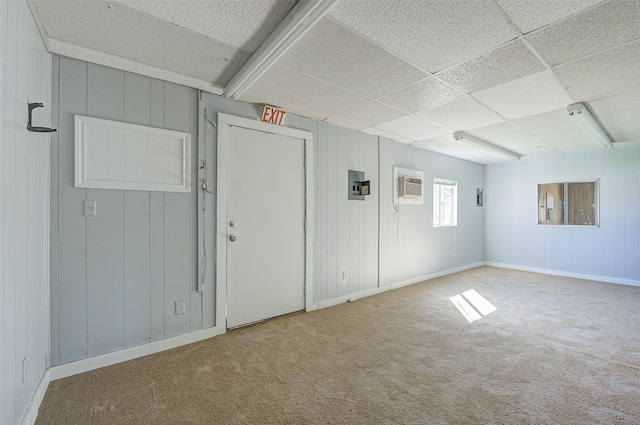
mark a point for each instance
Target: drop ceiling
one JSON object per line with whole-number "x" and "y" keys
{"x": 412, "y": 71}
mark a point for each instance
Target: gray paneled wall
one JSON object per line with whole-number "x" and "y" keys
{"x": 346, "y": 230}
{"x": 25, "y": 68}
{"x": 410, "y": 247}
{"x": 611, "y": 251}
{"x": 115, "y": 277}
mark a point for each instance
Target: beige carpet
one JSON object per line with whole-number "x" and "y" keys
{"x": 556, "y": 351}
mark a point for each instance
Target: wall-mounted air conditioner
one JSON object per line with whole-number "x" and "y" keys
{"x": 410, "y": 187}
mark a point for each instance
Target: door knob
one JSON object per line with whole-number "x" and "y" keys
{"x": 232, "y": 238}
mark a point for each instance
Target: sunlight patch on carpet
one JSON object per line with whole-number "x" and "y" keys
{"x": 472, "y": 305}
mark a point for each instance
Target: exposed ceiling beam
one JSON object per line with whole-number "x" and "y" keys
{"x": 304, "y": 15}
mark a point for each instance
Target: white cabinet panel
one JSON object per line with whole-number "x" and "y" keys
{"x": 116, "y": 155}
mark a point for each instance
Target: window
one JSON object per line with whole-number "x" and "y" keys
{"x": 568, "y": 203}
{"x": 445, "y": 200}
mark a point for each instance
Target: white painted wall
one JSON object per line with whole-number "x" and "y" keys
{"x": 25, "y": 76}
{"x": 610, "y": 252}
{"x": 410, "y": 247}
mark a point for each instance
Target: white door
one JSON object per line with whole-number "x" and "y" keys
{"x": 265, "y": 226}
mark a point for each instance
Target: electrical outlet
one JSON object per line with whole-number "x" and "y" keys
{"x": 180, "y": 307}
{"x": 345, "y": 277}
{"x": 89, "y": 208}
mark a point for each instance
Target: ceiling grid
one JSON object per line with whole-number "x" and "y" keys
{"x": 413, "y": 71}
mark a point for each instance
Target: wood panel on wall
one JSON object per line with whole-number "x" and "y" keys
{"x": 118, "y": 275}
{"x": 25, "y": 76}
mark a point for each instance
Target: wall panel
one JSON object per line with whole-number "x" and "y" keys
{"x": 120, "y": 273}
{"x": 25, "y": 76}
{"x": 610, "y": 251}
{"x": 410, "y": 247}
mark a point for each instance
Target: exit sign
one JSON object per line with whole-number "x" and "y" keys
{"x": 273, "y": 115}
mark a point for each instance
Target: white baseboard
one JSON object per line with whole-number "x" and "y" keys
{"x": 109, "y": 359}
{"x": 596, "y": 278}
{"x": 419, "y": 279}
{"x": 32, "y": 411}
{"x": 344, "y": 298}
{"x": 86, "y": 365}
{"x": 374, "y": 291}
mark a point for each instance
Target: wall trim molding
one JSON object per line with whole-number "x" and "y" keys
{"x": 605, "y": 279}
{"x": 32, "y": 411}
{"x": 430, "y": 276}
{"x": 97, "y": 362}
{"x": 384, "y": 288}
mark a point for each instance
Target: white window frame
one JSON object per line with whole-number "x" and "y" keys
{"x": 437, "y": 184}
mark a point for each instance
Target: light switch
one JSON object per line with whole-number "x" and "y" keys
{"x": 89, "y": 208}
{"x": 180, "y": 307}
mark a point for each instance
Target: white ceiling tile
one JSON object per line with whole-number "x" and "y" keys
{"x": 529, "y": 15}
{"x": 495, "y": 131}
{"x": 382, "y": 133}
{"x": 627, "y": 139}
{"x": 434, "y": 34}
{"x": 333, "y": 53}
{"x": 294, "y": 109}
{"x": 286, "y": 85}
{"x": 608, "y": 25}
{"x": 458, "y": 148}
{"x": 627, "y": 121}
{"x": 544, "y": 119}
{"x": 243, "y": 24}
{"x": 564, "y": 132}
{"x": 578, "y": 146}
{"x": 617, "y": 103}
{"x": 461, "y": 114}
{"x": 506, "y": 63}
{"x": 425, "y": 94}
{"x": 372, "y": 113}
{"x": 603, "y": 75}
{"x": 441, "y": 141}
{"x": 524, "y": 145}
{"x": 464, "y": 151}
{"x": 344, "y": 123}
{"x": 544, "y": 150}
{"x": 525, "y": 96}
{"x": 138, "y": 37}
{"x": 509, "y": 137}
{"x": 413, "y": 128}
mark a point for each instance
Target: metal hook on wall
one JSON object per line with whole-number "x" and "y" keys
{"x": 33, "y": 106}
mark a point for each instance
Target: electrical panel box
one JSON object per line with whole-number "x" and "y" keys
{"x": 410, "y": 187}
{"x": 358, "y": 186}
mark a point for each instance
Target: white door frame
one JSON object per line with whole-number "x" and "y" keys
{"x": 224, "y": 123}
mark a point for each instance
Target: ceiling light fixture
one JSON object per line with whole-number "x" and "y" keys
{"x": 585, "y": 120}
{"x": 472, "y": 140}
{"x": 304, "y": 15}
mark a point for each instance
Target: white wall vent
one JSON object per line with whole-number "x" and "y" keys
{"x": 410, "y": 187}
